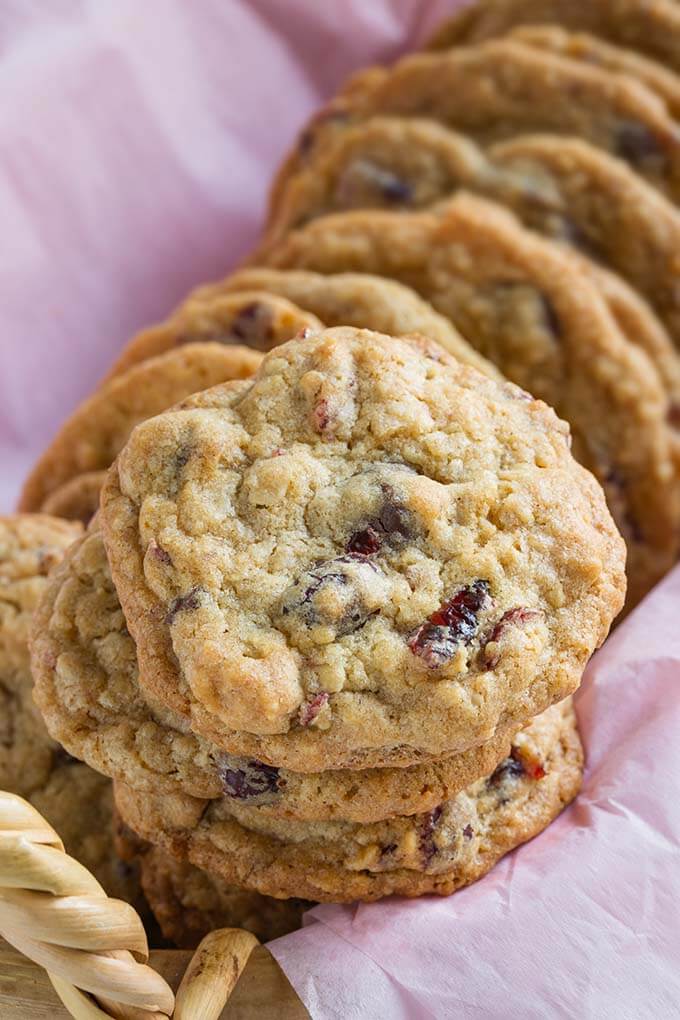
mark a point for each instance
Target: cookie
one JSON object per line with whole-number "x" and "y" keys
{"x": 285, "y": 553}
{"x": 354, "y": 299}
{"x": 252, "y": 319}
{"x": 77, "y": 499}
{"x": 497, "y": 90}
{"x": 438, "y": 851}
{"x": 529, "y": 308}
{"x": 582, "y": 46}
{"x": 85, "y": 670}
{"x": 91, "y": 438}
{"x": 31, "y": 545}
{"x": 76, "y": 801}
{"x": 188, "y": 903}
{"x": 590, "y": 200}
{"x": 651, "y": 26}
{"x": 575, "y": 193}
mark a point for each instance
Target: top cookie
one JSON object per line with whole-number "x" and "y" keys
{"x": 365, "y": 555}
{"x": 651, "y": 26}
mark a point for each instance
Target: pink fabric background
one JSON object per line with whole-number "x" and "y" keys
{"x": 136, "y": 143}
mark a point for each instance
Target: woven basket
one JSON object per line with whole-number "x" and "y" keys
{"x": 94, "y": 948}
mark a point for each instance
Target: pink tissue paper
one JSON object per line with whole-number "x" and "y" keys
{"x": 137, "y": 141}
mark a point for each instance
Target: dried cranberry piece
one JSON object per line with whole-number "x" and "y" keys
{"x": 552, "y": 320}
{"x": 253, "y": 326}
{"x": 391, "y": 187}
{"x": 182, "y": 603}
{"x": 509, "y": 768}
{"x": 427, "y": 831}
{"x": 310, "y": 709}
{"x": 321, "y": 416}
{"x": 636, "y": 143}
{"x": 364, "y": 543}
{"x": 517, "y": 616}
{"x": 161, "y": 554}
{"x": 252, "y": 779}
{"x": 455, "y": 622}
{"x": 468, "y": 832}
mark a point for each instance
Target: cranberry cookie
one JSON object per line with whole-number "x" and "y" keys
{"x": 355, "y": 299}
{"x": 251, "y": 319}
{"x": 500, "y": 89}
{"x": 438, "y": 851}
{"x": 329, "y": 565}
{"x": 77, "y": 499}
{"x": 563, "y": 188}
{"x": 651, "y": 26}
{"x": 593, "y": 50}
{"x": 90, "y": 439}
{"x": 188, "y": 902}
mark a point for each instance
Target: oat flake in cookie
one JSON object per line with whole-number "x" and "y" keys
{"x": 366, "y": 554}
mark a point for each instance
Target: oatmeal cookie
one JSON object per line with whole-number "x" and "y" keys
{"x": 355, "y": 299}
{"x": 563, "y": 188}
{"x": 85, "y": 668}
{"x": 497, "y": 90}
{"x": 318, "y": 564}
{"x": 438, "y": 851}
{"x": 593, "y": 50}
{"x": 651, "y": 26}
{"x": 252, "y": 319}
{"x": 90, "y": 439}
{"x": 77, "y": 499}
{"x": 188, "y": 902}
{"x": 528, "y": 307}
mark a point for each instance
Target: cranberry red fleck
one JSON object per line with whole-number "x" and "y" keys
{"x": 364, "y": 543}
{"x": 468, "y": 832}
{"x": 253, "y": 779}
{"x": 429, "y": 825}
{"x": 310, "y": 709}
{"x": 509, "y": 768}
{"x": 161, "y": 554}
{"x": 183, "y": 603}
{"x": 454, "y": 623}
{"x": 515, "y": 617}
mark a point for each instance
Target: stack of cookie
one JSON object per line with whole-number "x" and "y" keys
{"x": 324, "y": 631}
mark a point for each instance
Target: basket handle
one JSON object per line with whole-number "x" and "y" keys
{"x": 94, "y": 948}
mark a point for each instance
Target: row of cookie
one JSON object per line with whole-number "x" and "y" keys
{"x": 574, "y": 135}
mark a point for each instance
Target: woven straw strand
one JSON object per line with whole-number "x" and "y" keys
{"x": 57, "y": 914}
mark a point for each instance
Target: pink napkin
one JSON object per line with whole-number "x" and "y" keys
{"x": 136, "y": 143}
